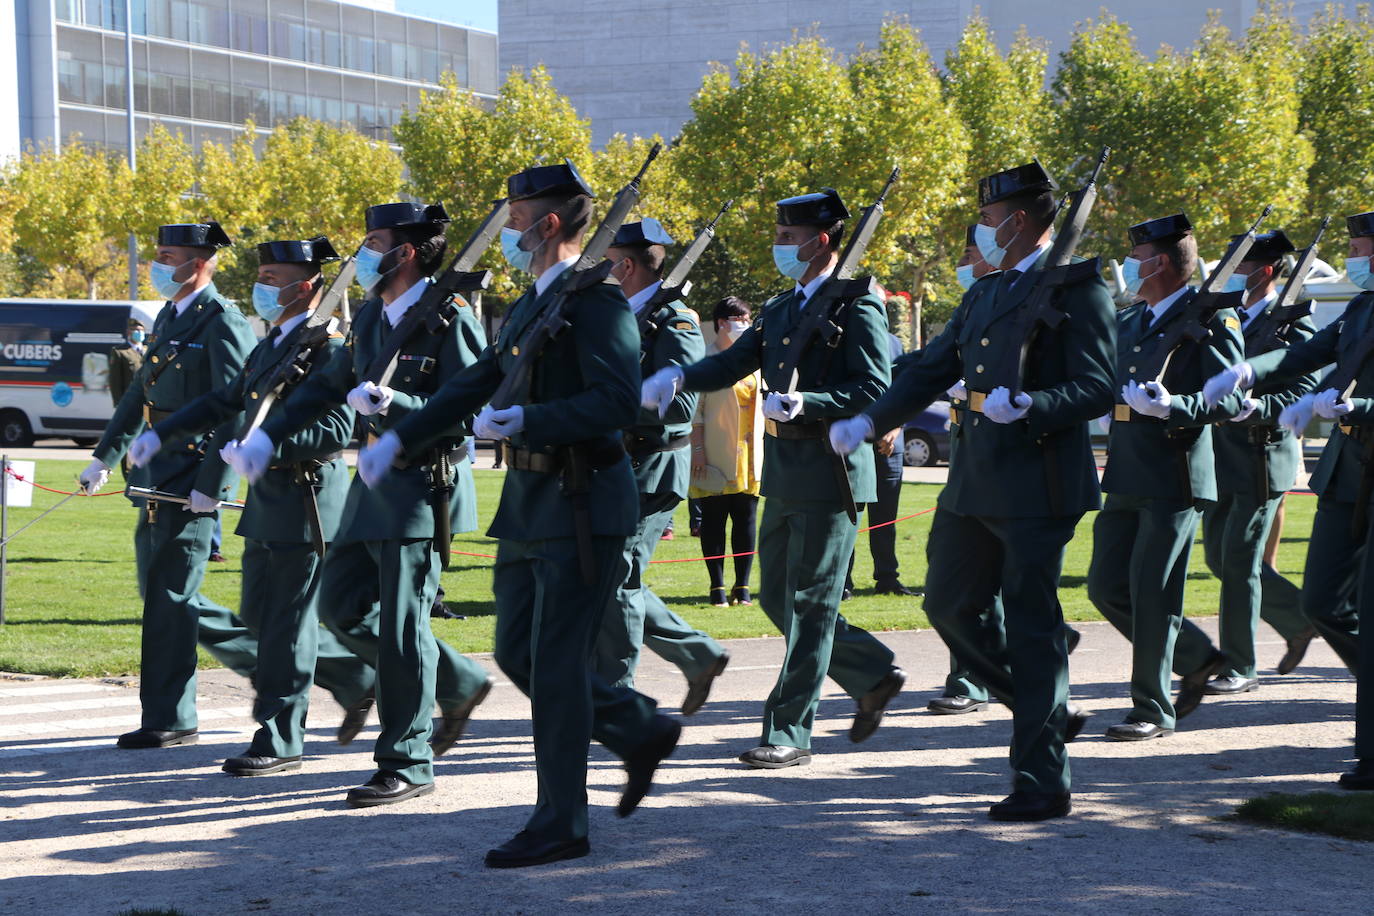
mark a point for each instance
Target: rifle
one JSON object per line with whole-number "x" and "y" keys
{"x": 154, "y": 495}
{"x": 1038, "y": 311}
{"x": 820, "y": 322}
{"x": 675, "y": 286}
{"x": 591, "y": 268}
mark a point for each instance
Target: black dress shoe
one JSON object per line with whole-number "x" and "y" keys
{"x": 1360, "y": 779}
{"x": 846, "y": 594}
{"x": 1031, "y": 806}
{"x": 643, "y": 761}
{"x": 895, "y": 587}
{"x": 253, "y": 765}
{"x": 1077, "y": 719}
{"x": 355, "y": 718}
{"x": 1297, "y": 648}
{"x": 956, "y": 706}
{"x": 874, "y": 703}
{"x": 1192, "y": 687}
{"x": 1072, "y": 638}
{"x": 775, "y": 757}
{"x": 145, "y": 738}
{"x": 455, "y": 720}
{"x": 386, "y": 788}
{"x": 699, "y": 687}
{"x": 1137, "y": 731}
{"x": 1229, "y": 685}
{"x": 525, "y": 849}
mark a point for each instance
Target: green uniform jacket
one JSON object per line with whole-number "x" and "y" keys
{"x": 275, "y": 510}
{"x": 678, "y": 342}
{"x": 1337, "y": 475}
{"x": 1171, "y": 458}
{"x": 124, "y": 365}
{"x": 834, "y": 383}
{"x": 1041, "y": 465}
{"x": 1237, "y": 462}
{"x": 208, "y": 361}
{"x": 399, "y": 508}
{"x": 584, "y": 390}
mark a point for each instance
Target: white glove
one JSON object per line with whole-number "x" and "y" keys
{"x": 1241, "y": 375}
{"x": 506, "y": 422}
{"x": 957, "y": 391}
{"x": 200, "y": 504}
{"x": 1329, "y": 406}
{"x": 376, "y": 461}
{"x": 999, "y": 407}
{"x": 369, "y": 398}
{"x": 782, "y": 407}
{"x": 1150, "y": 400}
{"x": 847, "y": 435}
{"x": 1296, "y": 416}
{"x": 144, "y": 448}
{"x": 1247, "y": 407}
{"x": 95, "y": 476}
{"x": 251, "y": 456}
{"x": 659, "y": 389}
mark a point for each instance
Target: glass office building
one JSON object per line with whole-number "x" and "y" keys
{"x": 205, "y": 66}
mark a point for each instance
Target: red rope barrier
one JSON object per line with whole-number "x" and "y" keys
{"x": 39, "y": 486}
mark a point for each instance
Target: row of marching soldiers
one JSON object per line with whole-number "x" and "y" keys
{"x": 590, "y": 386}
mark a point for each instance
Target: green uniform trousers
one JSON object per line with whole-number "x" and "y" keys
{"x": 961, "y": 681}
{"x": 1136, "y": 580}
{"x": 1235, "y": 530}
{"x": 547, "y": 621}
{"x": 804, "y": 550}
{"x": 1364, "y": 696}
{"x": 1025, "y": 662}
{"x": 637, "y": 617}
{"x": 1336, "y": 573}
{"x": 171, "y": 553}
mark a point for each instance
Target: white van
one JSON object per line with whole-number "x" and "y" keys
{"x": 55, "y": 365}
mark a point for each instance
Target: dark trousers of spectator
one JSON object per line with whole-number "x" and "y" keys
{"x": 741, "y": 510}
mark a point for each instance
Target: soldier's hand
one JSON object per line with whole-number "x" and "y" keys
{"x": 1329, "y": 405}
{"x": 957, "y": 391}
{"x": 481, "y": 424}
{"x": 1149, "y": 400}
{"x": 1296, "y": 416}
{"x": 659, "y": 389}
{"x": 144, "y": 448}
{"x": 847, "y": 435}
{"x": 200, "y": 504}
{"x": 375, "y": 461}
{"x": 781, "y": 407}
{"x": 1241, "y": 375}
{"x": 1247, "y": 407}
{"x": 95, "y": 476}
{"x": 999, "y": 407}
{"x": 370, "y": 398}
{"x": 506, "y": 422}
{"x": 250, "y": 457}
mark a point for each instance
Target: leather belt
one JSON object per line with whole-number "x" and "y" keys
{"x": 1122, "y": 413}
{"x": 641, "y": 447}
{"x": 151, "y": 415}
{"x": 309, "y": 464}
{"x": 794, "y": 430}
{"x": 524, "y": 459}
{"x": 455, "y": 455}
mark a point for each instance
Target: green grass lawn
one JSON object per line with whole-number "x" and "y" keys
{"x": 73, "y": 610}
{"x": 1348, "y": 814}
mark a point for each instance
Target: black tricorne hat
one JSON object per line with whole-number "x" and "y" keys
{"x": 1030, "y": 178}
{"x": 647, "y": 231}
{"x": 193, "y": 235}
{"x": 822, "y": 208}
{"x": 1360, "y": 224}
{"x": 406, "y": 213}
{"x": 305, "y": 251}
{"x": 1164, "y": 229}
{"x": 544, "y": 180}
{"x": 1268, "y": 246}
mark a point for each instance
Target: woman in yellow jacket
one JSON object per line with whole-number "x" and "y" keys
{"x": 727, "y": 457}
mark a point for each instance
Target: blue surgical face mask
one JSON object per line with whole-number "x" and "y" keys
{"x": 161, "y": 277}
{"x": 1357, "y": 269}
{"x": 964, "y": 273}
{"x": 365, "y": 264}
{"x": 786, "y": 260}
{"x": 985, "y": 237}
{"x": 265, "y": 301}
{"x": 516, "y": 256}
{"x": 1236, "y": 283}
{"x": 1130, "y": 274}
{"x": 136, "y": 337}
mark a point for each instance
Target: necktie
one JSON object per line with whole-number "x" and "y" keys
{"x": 1146, "y": 317}
{"x": 1012, "y": 277}
{"x": 273, "y": 334}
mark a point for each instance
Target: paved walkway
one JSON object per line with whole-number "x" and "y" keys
{"x": 895, "y": 825}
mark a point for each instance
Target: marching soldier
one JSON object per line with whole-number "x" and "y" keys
{"x": 806, "y": 536}
{"x": 1160, "y": 474}
{"x": 308, "y": 478}
{"x": 669, "y": 336}
{"x": 198, "y": 344}
{"x": 1257, "y": 462}
{"x": 1023, "y": 476}
{"x": 1336, "y": 579}
{"x": 382, "y": 572}
{"x": 558, "y": 563}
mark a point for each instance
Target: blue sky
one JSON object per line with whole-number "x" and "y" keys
{"x": 479, "y": 13}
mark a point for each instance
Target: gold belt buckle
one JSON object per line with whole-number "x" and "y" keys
{"x": 975, "y": 401}
{"x": 1121, "y": 413}
{"x": 771, "y": 427}
{"x": 1347, "y": 429}
{"x": 148, "y": 413}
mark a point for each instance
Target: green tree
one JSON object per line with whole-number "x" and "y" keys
{"x": 1336, "y": 87}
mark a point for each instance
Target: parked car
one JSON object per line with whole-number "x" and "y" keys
{"x": 927, "y": 437}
